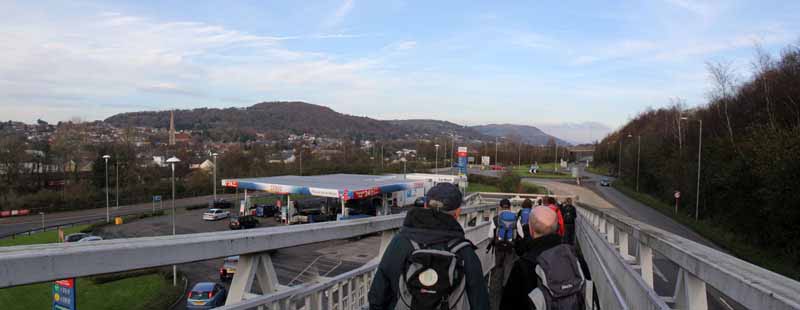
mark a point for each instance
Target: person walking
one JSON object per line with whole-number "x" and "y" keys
{"x": 430, "y": 264}
{"x": 570, "y": 214}
{"x": 502, "y": 234}
{"x": 548, "y": 274}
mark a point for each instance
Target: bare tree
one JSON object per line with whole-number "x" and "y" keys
{"x": 762, "y": 65}
{"x": 723, "y": 76}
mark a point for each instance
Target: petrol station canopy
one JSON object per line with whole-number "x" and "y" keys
{"x": 346, "y": 186}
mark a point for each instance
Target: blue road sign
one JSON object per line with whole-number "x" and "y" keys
{"x": 157, "y": 198}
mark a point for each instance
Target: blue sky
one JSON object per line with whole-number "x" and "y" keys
{"x": 548, "y": 62}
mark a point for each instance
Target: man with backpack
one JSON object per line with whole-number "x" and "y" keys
{"x": 548, "y": 275}
{"x": 503, "y": 232}
{"x": 429, "y": 264}
{"x": 522, "y": 219}
{"x": 569, "y": 213}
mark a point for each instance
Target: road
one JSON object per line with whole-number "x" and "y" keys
{"x": 11, "y": 225}
{"x": 606, "y": 197}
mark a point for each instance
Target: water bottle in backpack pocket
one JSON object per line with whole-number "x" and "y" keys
{"x": 433, "y": 278}
{"x": 561, "y": 281}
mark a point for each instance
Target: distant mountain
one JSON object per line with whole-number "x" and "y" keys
{"x": 274, "y": 117}
{"x": 577, "y": 133}
{"x": 437, "y": 127}
{"x": 528, "y": 134}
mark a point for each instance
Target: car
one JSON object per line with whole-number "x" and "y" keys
{"x": 215, "y": 214}
{"x": 206, "y": 295}
{"x": 266, "y": 210}
{"x": 243, "y": 222}
{"x": 75, "y": 237}
{"x": 228, "y": 268}
{"x": 605, "y": 182}
{"x": 497, "y": 167}
{"x": 90, "y": 239}
{"x": 220, "y": 204}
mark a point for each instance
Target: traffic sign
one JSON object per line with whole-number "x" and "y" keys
{"x": 157, "y": 198}
{"x": 677, "y": 194}
{"x": 64, "y": 294}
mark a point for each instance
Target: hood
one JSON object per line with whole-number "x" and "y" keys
{"x": 430, "y": 226}
{"x": 533, "y": 247}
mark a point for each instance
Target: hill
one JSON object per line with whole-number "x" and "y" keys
{"x": 437, "y": 127}
{"x": 273, "y": 117}
{"x": 528, "y": 134}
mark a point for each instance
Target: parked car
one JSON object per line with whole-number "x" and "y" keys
{"x": 90, "y": 239}
{"x": 266, "y": 210}
{"x": 75, "y": 237}
{"x": 220, "y": 204}
{"x": 228, "y": 268}
{"x": 243, "y": 222}
{"x": 215, "y": 214}
{"x": 498, "y": 167}
{"x": 206, "y": 295}
{"x": 605, "y": 182}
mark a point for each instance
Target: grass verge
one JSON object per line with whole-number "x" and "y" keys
{"x": 478, "y": 187}
{"x": 50, "y": 236}
{"x": 545, "y": 172}
{"x": 601, "y": 170}
{"x": 720, "y": 235}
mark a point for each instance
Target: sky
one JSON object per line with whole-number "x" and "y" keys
{"x": 469, "y": 62}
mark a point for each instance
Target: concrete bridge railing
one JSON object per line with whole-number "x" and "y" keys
{"x": 623, "y": 249}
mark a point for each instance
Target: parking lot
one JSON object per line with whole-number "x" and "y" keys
{"x": 328, "y": 258}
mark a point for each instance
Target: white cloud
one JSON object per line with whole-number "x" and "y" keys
{"x": 112, "y": 57}
{"x": 341, "y": 12}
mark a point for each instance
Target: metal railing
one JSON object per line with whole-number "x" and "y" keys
{"x": 618, "y": 250}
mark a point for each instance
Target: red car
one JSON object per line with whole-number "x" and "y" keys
{"x": 498, "y": 167}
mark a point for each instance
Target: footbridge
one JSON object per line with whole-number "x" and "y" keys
{"x": 619, "y": 253}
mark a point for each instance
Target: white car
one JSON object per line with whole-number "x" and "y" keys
{"x": 90, "y": 239}
{"x": 215, "y": 214}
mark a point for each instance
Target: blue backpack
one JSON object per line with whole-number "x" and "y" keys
{"x": 524, "y": 215}
{"x": 506, "y": 227}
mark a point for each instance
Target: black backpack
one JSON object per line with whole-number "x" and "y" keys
{"x": 561, "y": 282}
{"x": 433, "y": 277}
{"x": 569, "y": 213}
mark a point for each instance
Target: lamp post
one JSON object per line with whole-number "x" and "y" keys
{"x": 699, "y": 157}
{"x": 555, "y": 158}
{"x": 42, "y": 214}
{"x": 108, "y": 215}
{"x": 172, "y": 160}
{"x": 116, "y": 185}
{"x": 619, "y": 159}
{"x": 638, "y": 160}
{"x": 215, "y": 175}
{"x": 495, "y": 151}
{"x": 437, "y": 159}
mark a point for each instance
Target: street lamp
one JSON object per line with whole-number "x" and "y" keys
{"x": 403, "y": 159}
{"x": 638, "y": 160}
{"x": 215, "y": 175}
{"x": 495, "y": 151}
{"x": 171, "y": 161}
{"x": 619, "y": 159}
{"x": 42, "y": 214}
{"x": 699, "y": 156}
{"x": 437, "y": 159}
{"x": 108, "y": 215}
{"x": 555, "y": 158}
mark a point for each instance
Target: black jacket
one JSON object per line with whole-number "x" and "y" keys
{"x": 426, "y": 227}
{"x": 523, "y": 278}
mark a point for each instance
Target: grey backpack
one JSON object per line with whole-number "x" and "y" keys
{"x": 433, "y": 277}
{"x": 561, "y": 281}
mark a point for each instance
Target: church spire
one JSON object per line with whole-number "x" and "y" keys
{"x": 171, "y": 128}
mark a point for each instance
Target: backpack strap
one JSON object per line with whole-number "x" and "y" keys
{"x": 414, "y": 244}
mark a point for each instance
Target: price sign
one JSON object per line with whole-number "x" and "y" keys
{"x": 64, "y": 294}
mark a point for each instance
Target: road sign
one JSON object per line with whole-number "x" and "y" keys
{"x": 64, "y": 294}
{"x": 677, "y": 194}
{"x": 157, "y": 198}
{"x": 462, "y": 160}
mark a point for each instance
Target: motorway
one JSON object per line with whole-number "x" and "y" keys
{"x": 607, "y": 197}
